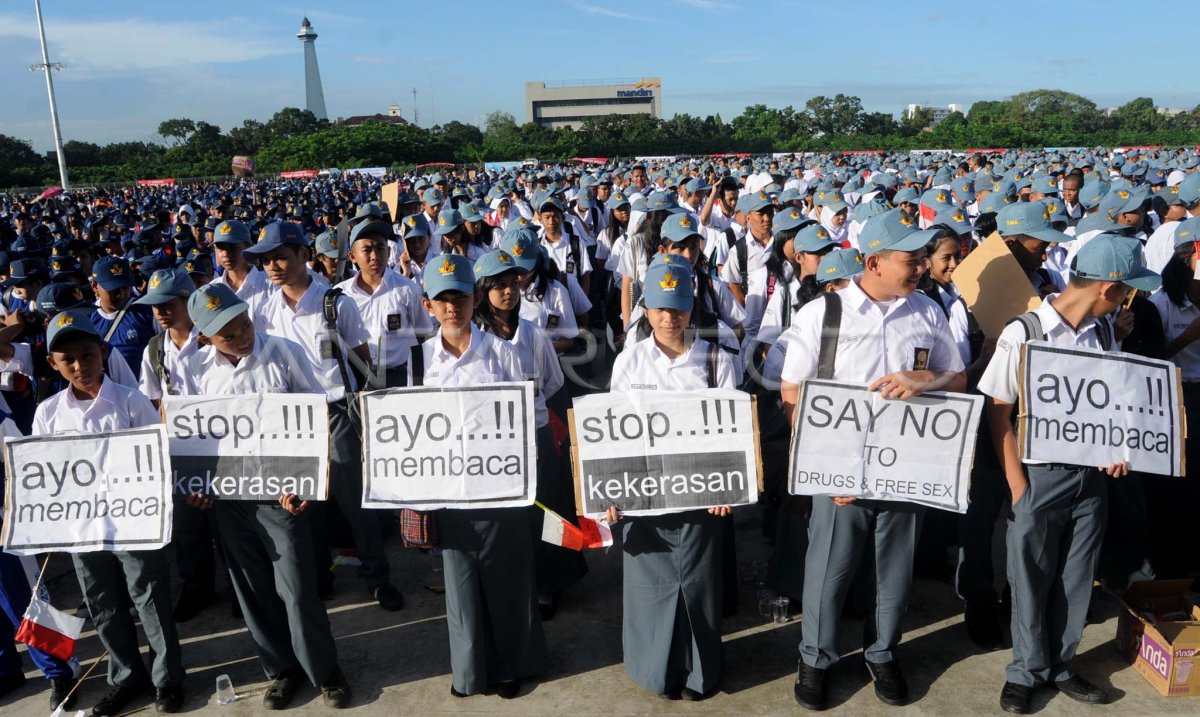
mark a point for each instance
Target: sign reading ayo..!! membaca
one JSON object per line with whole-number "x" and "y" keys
{"x": 656, "y": 452}
{"x": 1095, "y": 408}
{"x": 80, "y": 493}
{"x": 466, "y": 447}
{"x": 255, "y": 447}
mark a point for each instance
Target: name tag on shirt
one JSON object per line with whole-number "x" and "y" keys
{"x": 552, "y": 321}
{"x": 920, "y": 359}
{"x": 570, "y": 267}
{"x": 394, "y": 322}
{"x": 326, "y": 349}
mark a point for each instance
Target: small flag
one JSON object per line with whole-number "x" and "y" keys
{"x": 596, "y": 534}
{"x": 49, "y": 630}
{"x": 559, "y": 531}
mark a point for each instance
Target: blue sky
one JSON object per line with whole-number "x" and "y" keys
{"x": 132, "y": 64}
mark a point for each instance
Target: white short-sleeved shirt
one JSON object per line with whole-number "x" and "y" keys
{"x": 770, "y": 324}
{"x": 959, "y": 326}
{"x": 488, "y": 359}
{"x": 632, "y": 262}
{"x": 756, "y": 258}
{"x": 539, "y": 363}
{"x": 643, "y": 366}
{"x": 305, "y": 325}
{"x": 393, "y": 315}
{"x": 875, "y": 338}
{"x": 579, "y": 300}
{"x": 22, "y": 363}
{"x": 1160, "y": 247}
{"x": 1175, "y": 320}
{"x": 560, "y": 252}
{"x": 174, "y": 364}
{"x": 724, "y": 336}
{"x": 554, "y": 312}
{"x": 254, "y": 290}
{"x": 116, "y": 408}
{"x": 999, "y": 379}
{"x": 275, "y": 365}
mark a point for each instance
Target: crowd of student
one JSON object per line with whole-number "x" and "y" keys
{"x": 670, "y": 275}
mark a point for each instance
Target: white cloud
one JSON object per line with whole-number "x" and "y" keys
{"x": 708, "y": 5}
{"x": 606, "y": 12}
{"x": 97, "y": 49}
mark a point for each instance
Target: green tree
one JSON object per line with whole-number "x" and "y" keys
{"x": 247, "y": 138}
{"x": 1137, "y": 115}
{"x": 877, "y": 123}
{"x": 178, "y": 129}
{"x": 292, "y": 122}
{"x": 841, "y": 114}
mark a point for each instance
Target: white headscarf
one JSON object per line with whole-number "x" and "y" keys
{"x": 836, "y": 233}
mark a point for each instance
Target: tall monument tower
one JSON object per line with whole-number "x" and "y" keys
{"x": 314, "y": 96}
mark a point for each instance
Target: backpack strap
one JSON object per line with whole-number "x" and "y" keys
{"x": 711, "y": 363}
{"x": 1105, "y": 330}
{"x": 641, "y": 330}
{"x": 112, "y": 330}
{"x": 831, "y": 328}
{"x": 743, "y": 255}
{"x": 329, "y": 309}
{"x": 416, "y": 365}
{"x": 157, "y": 349}
{"x": 1032, "y": 325}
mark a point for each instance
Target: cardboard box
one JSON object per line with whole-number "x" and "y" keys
{"x": 1159, "y": 634}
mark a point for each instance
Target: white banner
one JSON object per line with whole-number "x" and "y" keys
{"x": 83, "y": 493}
{"x": 254, "y": 447}
{"x": 849, "y": 441}
{"x": 468, "y": 447}
{"x": 1094, "y": 408}
{"x": 657, "y": 452}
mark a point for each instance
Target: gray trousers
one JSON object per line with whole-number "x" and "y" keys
{"x": 104, "y": 578}
{"x": 839, "y": 538}
{"x": 1054, "y": 536}
{"x": 269, "y": 553}
{"x": 975, "y": 578}
{"x": 192, "y": 539}
{"x": 345, "y": 488}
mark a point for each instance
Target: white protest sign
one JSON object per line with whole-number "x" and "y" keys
{"x": 252, "y": 447}
{"x": 1094, "y": 408}
{"x": 853, "y": 442}
{"x": 657, "y": 452}
{"x": 82, "y": 493}
{"x": 466, "y": 447}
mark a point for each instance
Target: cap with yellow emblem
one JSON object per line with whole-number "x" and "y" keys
{"x": 68, "y": 324}
{"x": 212, "y": 306}
{"x": 449, "y": 272}
{"x": 787, "y": 218}
{"x": 495, "y": 263}
{"x": 894, "y": 230}
{"x": 678, "y": 228}
{"x": 1111, "y": 257}
{"x": 813, "y": 239}
{"x": 1030, "y": 219}
{"x": 839, "y": 264}
{"x": 669, "y": 284}
{"x": 166, "y": 285}
{"x": 231, "y": 231}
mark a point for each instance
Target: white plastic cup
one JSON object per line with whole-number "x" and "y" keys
{"x": 780, "y": 609}
{"x": 225, "y": 693}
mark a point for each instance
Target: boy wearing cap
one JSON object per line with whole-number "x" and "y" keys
{"x": 898, "y": 341}
{"x": 164, "y": 372}
{"x": 1058, "y": 513}
{"x": 1028, "y": 233}
{"x": 122, "y": 324}
{"x": 562, "y": 242}
{"x": 93, "y": 404}
{"x": 752, "y": 249}
{"x": 249, "y": 282}
{"x": 496, "y": 637}
{"x": 267, "y": 545}
{"x": 410, "y": 262}
{"x": 390, "y": 303}
{"x": 297, "y": 311}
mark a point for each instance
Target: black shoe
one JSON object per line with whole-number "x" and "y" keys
{"x": 983, "y": 625}
{"x": 812, "y": 687}
{"x": 283, "y": 688}
{"x": 456, "y": 693}
{"x": 168, "y": 699}
{"x": 890, "y": 687}
{"x": 191, "y": 604}
{"x": 60, "y": 687}
{"x": 672, "y": 695}
{"x": 508, "y": 689}
{"x": 336, "y": 691}
{"x": 1081, "y": 690}
{"x": 1015, "y": 698}
{"x": 388, "y": 597}
{"x": 118, "y": 698}
{"x": 12, "y": 683}
{"x": 691, "y": 695}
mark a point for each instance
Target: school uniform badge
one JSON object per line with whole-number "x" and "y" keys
{"x": 920, "y": 359}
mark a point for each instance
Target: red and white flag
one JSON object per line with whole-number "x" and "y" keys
{"x": 596, "y": 533}
{"x": 590, "y": 534}
{"x": 49, "y": 630}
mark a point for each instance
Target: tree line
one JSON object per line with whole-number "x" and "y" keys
{"x": 295, "y": 139}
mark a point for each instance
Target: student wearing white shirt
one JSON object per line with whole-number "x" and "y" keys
{"x": 415, "y": 253}
{"x": 615, "y": 240}
{"x": 643, "y": 245}
{"x": 565, "y": 246}
{"x": 673, "y": 592}
{"x": 93, "y": 404}
{"x": 796, "y": 252}
{"x": 231, "y": 237}
{"x": 544, "y": 300}
{"x": 451, "y": 236}
{"x": 497, "y": 281}
{"x": 298, "y": 311}
{"x": 267, "y": 545}
{"x": 390, "y": 304}
{"x": 897, "y": 341}
{"x": 752, "y": 249}
{"x": 496, "y": 636}
{"x": 1058, "y": 511}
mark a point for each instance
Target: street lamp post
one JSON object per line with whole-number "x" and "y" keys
{"x": 48, "y": 67}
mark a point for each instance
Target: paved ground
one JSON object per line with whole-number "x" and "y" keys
{"x": 398, "y": 663}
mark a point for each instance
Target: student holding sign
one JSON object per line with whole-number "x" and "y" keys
{"x": 1058, "y": 511}
{"x": 94, "y": 404}
{"x": 498, "y": 283}
{"x": 673, "y": 569}
{"x": 268, "y": 547}
{"x": 878, "y": 330}
{"x": 496, "y": 638}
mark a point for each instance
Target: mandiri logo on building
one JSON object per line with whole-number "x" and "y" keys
{"x": 641, "y": 89}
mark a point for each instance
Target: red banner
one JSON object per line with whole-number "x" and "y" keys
{"x": 299, "y": 174}
{"x": 863, "y": 151}
{"x": 727, "y": 155}
{"x": 1140, "y": 147}
{"x": 156, "y": 182}
{"x": 996, "y": 150}
{"x": 590, "y": 160}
